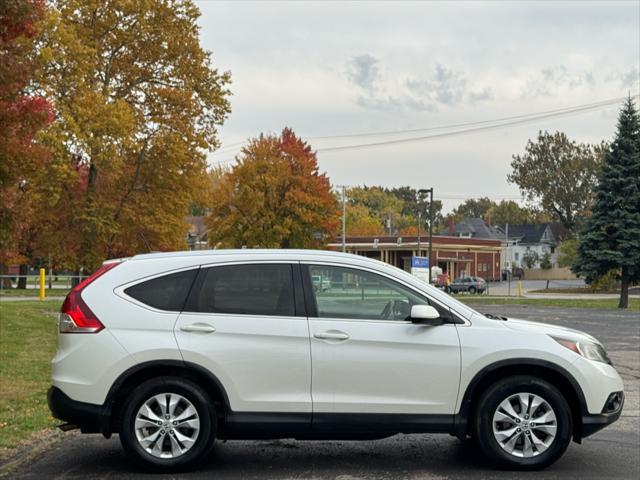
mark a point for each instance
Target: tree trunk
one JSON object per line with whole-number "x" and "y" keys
{"x": 624, "y": 290}
{"x": 6, "y": 282}
{"x": 75, "y": 280}
{"x": 22, "y": 276}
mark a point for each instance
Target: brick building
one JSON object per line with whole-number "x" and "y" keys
{"x": 456, "y": 256}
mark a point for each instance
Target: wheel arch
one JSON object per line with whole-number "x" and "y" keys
{"x": 554, "y": 374}
{"x": 137, "y": 374}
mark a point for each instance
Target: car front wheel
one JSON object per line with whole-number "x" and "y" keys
{"x": 169, "y": 424}
{"x": 523, "y": 423}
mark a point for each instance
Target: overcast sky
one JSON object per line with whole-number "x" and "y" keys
{"x": 336, "y": 68}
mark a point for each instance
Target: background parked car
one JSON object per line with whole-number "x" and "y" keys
{"x": 320, "y": 283}
{"x": 468, "y": 284}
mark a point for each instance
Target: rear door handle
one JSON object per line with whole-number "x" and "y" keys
{"x": 198, "y": 327}
{"x": 331, "y": 336}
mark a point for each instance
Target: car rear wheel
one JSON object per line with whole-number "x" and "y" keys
{"x": 523, "y": 423}
{"x": 472, "y": 290}
{"x": 168, "y": 424}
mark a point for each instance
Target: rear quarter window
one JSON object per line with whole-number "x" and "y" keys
{"x": 168, "y": 292}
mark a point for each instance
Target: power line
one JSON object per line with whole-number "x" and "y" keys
{"x": 573, "y": 111}
{"x": 481, "y": 125}
{"x": 468, "y": 124}
{"x": 464, "y": 196}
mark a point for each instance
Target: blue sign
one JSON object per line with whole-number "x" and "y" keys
{"x": 419, "y": 262}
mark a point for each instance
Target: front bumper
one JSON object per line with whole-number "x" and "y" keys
{"x": 88, "y": 417}
{"x": 592, "y": 423}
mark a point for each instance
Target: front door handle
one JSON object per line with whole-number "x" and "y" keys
{"x": 198, "y": 327}
{"x": 331, "y": 336}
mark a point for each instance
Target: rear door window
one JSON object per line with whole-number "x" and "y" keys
{"x": 255, "y": 289}
{"x": 168, "y": 292}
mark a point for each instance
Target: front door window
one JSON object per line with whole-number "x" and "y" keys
{"x": 355, "y": 294}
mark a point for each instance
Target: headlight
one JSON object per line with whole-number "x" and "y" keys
{"x": 588, "y": 350}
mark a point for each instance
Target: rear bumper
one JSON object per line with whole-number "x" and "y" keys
{"x": 89, "y": 417}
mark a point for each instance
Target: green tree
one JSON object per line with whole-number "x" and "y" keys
{"x": 473, "y": 208}
{"x": 545, "y": 261}
{"x": 508, "y": 211}
{"x": 530, "y": 258}
{"x": 559, "y": 175}
{"x": 415, "y": 204}
{"x": 611, "y": 236}
{"x": 138, "y": 103}
{"x": 274, "y": 197}
{"x": 567, "y": 252}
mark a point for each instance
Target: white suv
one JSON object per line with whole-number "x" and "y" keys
{"x": 174, "y": 350}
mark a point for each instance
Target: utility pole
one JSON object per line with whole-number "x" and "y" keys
{"x": 430, "y": 192}
{"x": 344, "y": 221}
{"x": 508, "y": 259}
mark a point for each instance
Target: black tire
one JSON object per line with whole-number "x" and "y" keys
{"x": 472, "y": 290}
{"x": 482, "y": 428}
{"x": 198, "y": 399}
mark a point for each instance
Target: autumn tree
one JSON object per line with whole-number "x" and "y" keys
{"x": 138, "y": 103}
{"x": 376, "y": 210}
{"x": 559, "y": 175}
{"x": 274, "y": 197}
{"x": 361, "y": 222}
{"x": 508, "y": 211}
{"x": 610, "y": 240}
{"x": 23, "y": 114}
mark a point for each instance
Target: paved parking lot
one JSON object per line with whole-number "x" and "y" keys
{"x": 611, "y": 453}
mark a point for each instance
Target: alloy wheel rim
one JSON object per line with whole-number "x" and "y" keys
{"x": 167, "y": 425}
{"x": 524, "y": 425}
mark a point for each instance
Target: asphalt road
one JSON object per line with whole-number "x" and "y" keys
{"x": 611, "y": 453}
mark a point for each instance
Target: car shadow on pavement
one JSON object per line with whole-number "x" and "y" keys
{"x": 402, "y": 456}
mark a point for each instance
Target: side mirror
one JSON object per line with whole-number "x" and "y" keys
{"x": 425, "y": 315}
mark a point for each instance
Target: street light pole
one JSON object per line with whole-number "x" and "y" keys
{"x": 430, "y": 192}
{"x": 419, "y": 220}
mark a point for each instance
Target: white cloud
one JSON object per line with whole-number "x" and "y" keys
{"x": 442, "y": 86}
{"x": 330, "y": 68}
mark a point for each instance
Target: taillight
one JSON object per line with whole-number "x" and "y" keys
{"x": 75, "y": 315}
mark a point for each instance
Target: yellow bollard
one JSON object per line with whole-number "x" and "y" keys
{"x": 520, "y": 292}
{"x": 42, "y": 284}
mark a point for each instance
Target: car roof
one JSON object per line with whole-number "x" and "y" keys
{"x": 253, "y": 252}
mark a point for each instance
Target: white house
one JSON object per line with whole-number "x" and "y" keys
{"x": 529, "y": 240}
{"x": 517, "y": 241}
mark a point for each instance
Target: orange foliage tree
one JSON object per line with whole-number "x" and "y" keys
{"x": 274, "y": 197}
{"x": 138, "y": 103}
{"x": 23, "y": 114}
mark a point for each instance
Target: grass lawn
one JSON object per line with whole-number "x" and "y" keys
{"x": 27, "y": 345}
{"x": 634, "y": 303}
{"x": 33, "y": 292}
